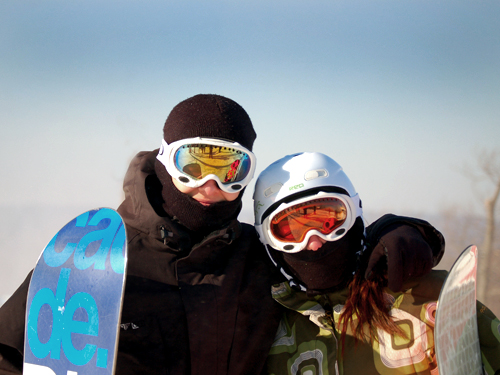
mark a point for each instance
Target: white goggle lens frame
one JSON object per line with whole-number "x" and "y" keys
{"x": 354, "y": 210}
{"x": 167, "y": 154}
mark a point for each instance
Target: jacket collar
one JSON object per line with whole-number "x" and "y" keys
{"x": 179, "y": 239}
{"x": 138, "y": 212}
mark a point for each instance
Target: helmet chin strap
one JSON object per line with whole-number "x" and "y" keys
{"x": 293, "y": 282}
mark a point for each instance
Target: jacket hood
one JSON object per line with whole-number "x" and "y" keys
{"x": 136, "y": 209}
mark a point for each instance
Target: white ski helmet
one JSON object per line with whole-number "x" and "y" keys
{"x": 296, "y": 179}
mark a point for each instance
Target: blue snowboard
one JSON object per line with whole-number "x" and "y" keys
{"x": 75, "y": 298}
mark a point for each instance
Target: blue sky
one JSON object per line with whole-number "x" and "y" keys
{"x": 401, "y": 93}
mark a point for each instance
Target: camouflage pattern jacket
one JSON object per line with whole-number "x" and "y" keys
{"x": 308, "y": 343}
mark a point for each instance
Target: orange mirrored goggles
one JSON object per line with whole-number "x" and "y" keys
{"x": 323, "y": 215}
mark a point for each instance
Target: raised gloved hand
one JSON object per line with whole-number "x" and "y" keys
{"x": 404, "y": 247}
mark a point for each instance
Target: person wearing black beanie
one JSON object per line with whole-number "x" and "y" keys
{"x": 205, "y": 116}
{"x": 197, "y": 290}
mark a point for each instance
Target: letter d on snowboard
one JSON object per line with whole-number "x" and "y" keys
{"x": 75, "y": 298}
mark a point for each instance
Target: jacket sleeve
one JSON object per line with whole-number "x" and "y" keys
{"x": 403, "y": 247}
{"x": 12, "y": 315}
{"x": 489, "y": 338}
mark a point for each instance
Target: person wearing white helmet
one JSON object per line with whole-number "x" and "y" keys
{"x": 283, "y": 192}
{"x": 358, "y": 300}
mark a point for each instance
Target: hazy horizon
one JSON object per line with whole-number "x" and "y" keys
{"x": 403, "y": 94}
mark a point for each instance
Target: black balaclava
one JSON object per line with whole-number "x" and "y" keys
{"x": 332, "y": 266}
{"x": 210, "y": 116}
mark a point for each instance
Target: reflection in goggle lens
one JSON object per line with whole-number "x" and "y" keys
{"x": 201, "y": 160}
{"x": 324, "y": 215}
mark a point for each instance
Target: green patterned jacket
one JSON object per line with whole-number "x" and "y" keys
{"x": 307, "y": 344}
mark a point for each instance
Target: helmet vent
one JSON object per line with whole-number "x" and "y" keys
{"x": 273, "y": 189}
{"x": 314, "y": 174}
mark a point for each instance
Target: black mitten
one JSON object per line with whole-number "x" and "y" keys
{"x": 404, "y": 247}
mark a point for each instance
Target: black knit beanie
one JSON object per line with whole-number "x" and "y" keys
{"x": 210, "y": 116}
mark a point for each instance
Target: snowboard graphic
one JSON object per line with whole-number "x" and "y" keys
{"x": 456, "y": 333}
{"x": 75, "y": 298}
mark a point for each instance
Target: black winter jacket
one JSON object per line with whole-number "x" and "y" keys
{"x": 190, "y": 306}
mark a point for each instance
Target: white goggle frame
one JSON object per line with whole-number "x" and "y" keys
{"x": 167, "y": 152}
{"x": 354, "y": 210}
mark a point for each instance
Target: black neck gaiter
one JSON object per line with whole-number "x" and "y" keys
{"x": 332, "y": 266}
{"x": 192, "y": 214}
